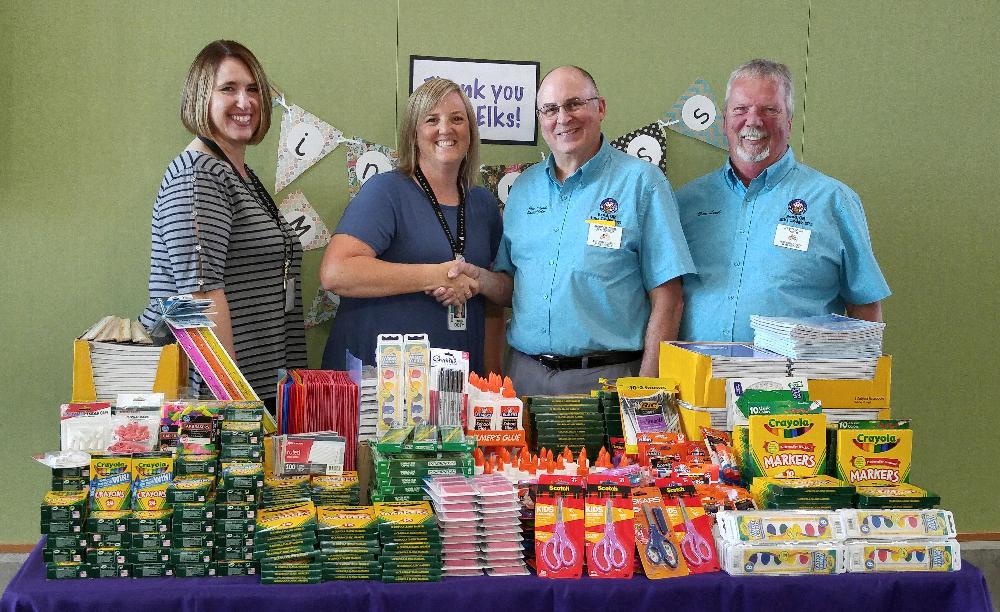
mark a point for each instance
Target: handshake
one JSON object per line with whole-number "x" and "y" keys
{"x": 459, "y": 282}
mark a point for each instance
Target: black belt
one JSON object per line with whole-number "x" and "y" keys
{"x": 594, "y": 360}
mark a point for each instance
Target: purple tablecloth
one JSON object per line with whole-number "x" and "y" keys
{"x": 963, "y": 591}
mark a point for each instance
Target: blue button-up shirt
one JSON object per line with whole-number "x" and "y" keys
{"x": 731, "y": 230}
{"x": 572, "y": 298}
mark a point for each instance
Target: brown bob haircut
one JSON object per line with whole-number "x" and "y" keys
{"x": 201, "y": 80}
{"x": 422, "y": 101}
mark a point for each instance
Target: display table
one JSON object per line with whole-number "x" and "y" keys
{"x": 963, "y": 591}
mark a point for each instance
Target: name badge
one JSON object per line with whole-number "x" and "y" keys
{"x": 456, "y": 317}
{"x": 604, "y": 236}
{"x": 792, "y": 237}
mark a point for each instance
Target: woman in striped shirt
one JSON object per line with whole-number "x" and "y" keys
{"x": 216, "y": 232}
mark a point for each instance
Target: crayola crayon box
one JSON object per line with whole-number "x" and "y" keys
{"x": 874, "y": 452}
{"x": 786, "y": 445}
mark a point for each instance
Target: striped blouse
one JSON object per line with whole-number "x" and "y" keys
{"x": 210, "y": 232}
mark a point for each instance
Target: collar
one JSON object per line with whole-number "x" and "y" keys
{"x": 593, "y": 165}
{"x": 767, "y": 179}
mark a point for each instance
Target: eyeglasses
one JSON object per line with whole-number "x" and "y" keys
{"x": 570, "y": 106}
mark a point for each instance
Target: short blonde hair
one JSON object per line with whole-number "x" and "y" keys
{"x": 422, "y": 101}
{"x": 197, "y": 91}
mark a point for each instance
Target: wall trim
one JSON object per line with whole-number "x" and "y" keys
{"x": 991, "y": 536}
{"x": 16, "y": 548}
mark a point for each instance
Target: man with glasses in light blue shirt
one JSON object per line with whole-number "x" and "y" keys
{"x": 769, "y": 235}
{"x": 592, "y": 249}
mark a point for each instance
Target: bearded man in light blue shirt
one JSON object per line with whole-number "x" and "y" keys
{"x": 768, "y": 234}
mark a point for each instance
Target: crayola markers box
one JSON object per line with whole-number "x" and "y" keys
{"x": 786, "y": 445}
{"x": 874, "y": 452}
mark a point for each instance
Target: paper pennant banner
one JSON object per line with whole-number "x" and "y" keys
{"x": 365, "y": 160}
{"x": 305, "y": 139}
{"x": 499, "y": 179}
{"x": 695, "y": 114}
{"x": 308, "y": 226}
{"x": 324, "y": 308}
{"x": 647, "y": 143}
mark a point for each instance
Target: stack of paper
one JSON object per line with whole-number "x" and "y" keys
{"x": 835, "y": 369}
{"x": 734, "y": 359}
{"x": 122, "y": 357}
{"x": 832, "y": 336}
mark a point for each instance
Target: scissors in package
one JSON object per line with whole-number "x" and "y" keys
{"x": 695, "y": 547}
{"x": 659, "y": 550}
{"x": 608, "y": 553}
{"x": 559, "y": 552}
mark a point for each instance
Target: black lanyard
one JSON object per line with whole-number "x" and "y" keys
{"x": 263, "y": 197}
{"x": 457, "y": 246}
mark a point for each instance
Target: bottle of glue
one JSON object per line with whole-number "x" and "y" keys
{"x": 511, "y": 407}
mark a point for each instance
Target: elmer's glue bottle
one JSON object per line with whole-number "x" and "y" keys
{"x": 485, "y": 409}
{"x": 511, "y": 408}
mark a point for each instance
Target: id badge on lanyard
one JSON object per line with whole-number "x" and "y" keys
{"x": 457, "y": 313}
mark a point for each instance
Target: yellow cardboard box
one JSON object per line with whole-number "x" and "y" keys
{"x": 171, "y": 373}
{"x": 697, "y": 387}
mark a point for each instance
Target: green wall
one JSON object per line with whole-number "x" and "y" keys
{"x": 897, "y": 105}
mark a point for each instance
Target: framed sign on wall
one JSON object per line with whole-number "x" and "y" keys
{"x": 502, "y": 93}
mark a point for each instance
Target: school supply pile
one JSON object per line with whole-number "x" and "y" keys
{"x": 411, "y": 542}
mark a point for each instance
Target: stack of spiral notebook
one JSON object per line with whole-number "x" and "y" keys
{"x": 824, "y": 347}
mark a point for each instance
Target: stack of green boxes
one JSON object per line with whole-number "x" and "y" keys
{"x": 240, "y": 488}
{"x": 348, "y": 542}
{"x": 63, "y": 517}
{"x": 399, "y": 476}
{"x": 567, "y": 421}
{"x": 400, "y": 465}
{"x": 285, "y": 544}
{"x": 149, "y": 525}
{"x": 607, "y": 402}
{"x": 411, "y": 542}
{"x": 108, "y": 540}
